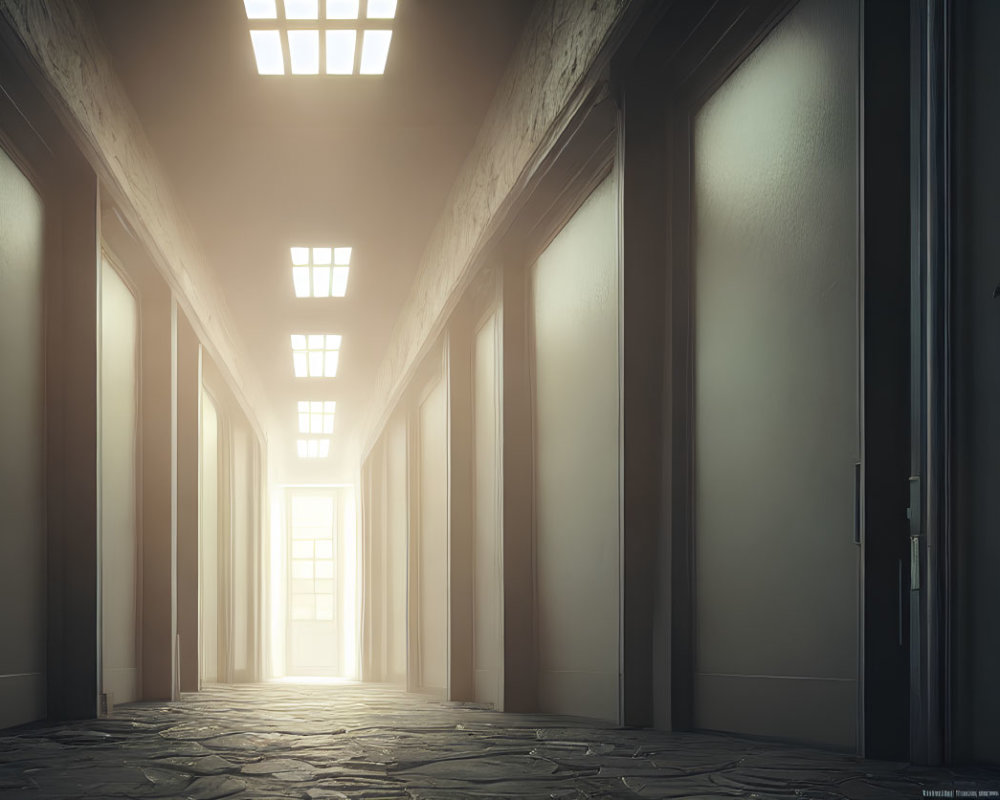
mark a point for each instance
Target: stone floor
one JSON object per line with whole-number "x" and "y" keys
{"x": 293, "y": 741}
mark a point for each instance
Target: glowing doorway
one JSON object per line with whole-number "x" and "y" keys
{"x": 316, "y": 583}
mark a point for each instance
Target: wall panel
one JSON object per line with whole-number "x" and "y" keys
{"x": 575, "y": 295}
{"x": 119, "y": 524}
{"x": 432, "y": 556}
{"x": 486, "y": 522}
{"x": 22, "y": 521}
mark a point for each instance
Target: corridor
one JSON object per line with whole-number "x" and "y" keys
{"x": 501, "y": 398}
{"x": 322, "y": 742}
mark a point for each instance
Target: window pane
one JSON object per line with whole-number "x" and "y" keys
{"x": 324, "y": 548}
{"x": 324, "y": 569}
{"x": 302, "y": 549}
{"x": 324, "y": 606}
{"x": 302, "y": 569}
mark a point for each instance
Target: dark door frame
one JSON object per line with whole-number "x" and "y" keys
{"x": 685, "y": 51}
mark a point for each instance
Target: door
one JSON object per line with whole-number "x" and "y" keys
{"x": 574, "y": 291}
{"x": 208, "y": 541}
{"x": 774, "y": 242}
{"x": 312, "y": 608}
{"x": 432, "y": 543}
{"x": 119, "y": 527}
{"x": 22, "y": 520}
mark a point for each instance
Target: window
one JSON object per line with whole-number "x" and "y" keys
{"x": 320, "y": 271}
{"x": 315, "y": 355}
{"x": 312, "y": 558}
{"x": 321, "y": 36}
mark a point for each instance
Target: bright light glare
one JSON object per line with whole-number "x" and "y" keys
{"x": 332, "y": 360}
{"x": 341, "y": 256}
{"x": 300, "y": 277}
{"x": 315, "y": 341}
{"x": 298, "y": 341}
{"x": 340, "y": 52}
{"x": 342, "y": 9}
{"x": 339, "y": 286}
{"x": 301, "y": 365}
{"x": 261, "y": 9}
{"x": 303, "y": 50}
{"x": 381, "y": 9}
{"x": 321, "y": 281}
{"x": 267, "y": 50}
{"x": 301, "y": 443}
{"x": 321, "y": 255}
{"x": 333, "y": 342}
{"x": 374, "y": 52}
{"x": 300, "y": 256}
{"x": 302, "y": 9}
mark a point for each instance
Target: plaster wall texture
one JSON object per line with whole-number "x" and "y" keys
{"x": 62, "y": 38}
{"x": 561, "y": 43}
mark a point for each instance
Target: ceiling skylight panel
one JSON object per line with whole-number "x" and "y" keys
{"x": 313, "y": 448}
{"x": 342, "y": 9}
{"x": 322, "y": 255}
{"x": 261, "y": 9}
{"x": 381, "y": 9}
{"x": 268, "y": 52}
{"x": 374, "y": 52}
{"x": 338, "y": 287}
{"x": 340, "y": 47}
{"x": 342, "y": 256}
{"x": 301, "y": 9}
{"x": 321, "y": 281}
{"x": 316, "y": 416}
{"x": 315, "y": 355}
{"x": 300, "y": 277}
{"x": 303, "y": 51}
{"x": 300, "y": 255}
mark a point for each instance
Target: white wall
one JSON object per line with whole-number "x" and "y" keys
{"x": 209, "y": 541}
{"x": 119, "y": 529}
{"x": 575, "y": 291}
{"x": 432, "y": 550}
{"x": 396, "y": 527}
{"x": 486, "y": 523}
{"x": 22, "y": 525}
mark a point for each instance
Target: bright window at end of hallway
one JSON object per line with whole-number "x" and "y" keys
{"x": 320, "y": 271}
{"x": 307, "y": 37}
{"x": 315, "y": 355}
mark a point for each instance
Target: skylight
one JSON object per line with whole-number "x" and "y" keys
{"x": 320, "y": 271}
{"x": 316, "y": 416}
{"x": 315, "y": 355}
{"x": 313, "y": 448}
{"x": 322, "y": 35}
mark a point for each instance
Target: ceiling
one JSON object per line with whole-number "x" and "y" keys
{"x": 263, "y": 163}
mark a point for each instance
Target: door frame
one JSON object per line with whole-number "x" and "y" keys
{"x": 683, "y": 54}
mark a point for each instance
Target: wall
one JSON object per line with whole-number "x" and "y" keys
{"x": 119, "y": 531}
{"x": 976, "y": 349}
{"x": 208, "y": 532}
{"x": 62, "y": 38}
{"x": 22, "y": 522}
{"x": 432, "y": 541}
{"x": 565, "y": 44}
{"x": 575, "y": 296}
{"x": 397, "y": 515}
{"x": 487, "y": 566}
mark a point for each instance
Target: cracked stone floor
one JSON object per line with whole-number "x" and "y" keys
{"x": 364, "y": 741}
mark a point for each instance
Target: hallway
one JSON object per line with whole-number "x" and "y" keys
{"x": 319, "y": 742}
{"x": 450, "y": 398}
